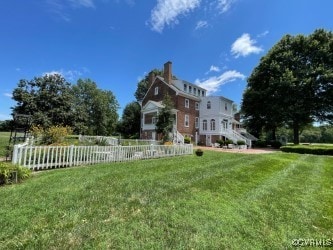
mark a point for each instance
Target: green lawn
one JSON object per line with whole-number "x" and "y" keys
{"x": 217, "y": 201}
{"x": 4, "y": 139}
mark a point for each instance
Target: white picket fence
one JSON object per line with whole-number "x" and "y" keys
{"x": 47, "y": 157}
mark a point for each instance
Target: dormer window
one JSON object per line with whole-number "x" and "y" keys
{"x": 199, "y": 92}
{"x": 209, "y": 105}
{"x": 190, "y": 89}
{"x": 194, "y": 91}
{"x": 225, "y": 106}
{"x": 185, "y": 88}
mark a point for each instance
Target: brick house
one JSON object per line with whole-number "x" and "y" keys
{"x": 197, "y": 116}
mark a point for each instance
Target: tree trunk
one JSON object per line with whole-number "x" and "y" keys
{"x": 296, "y": 133}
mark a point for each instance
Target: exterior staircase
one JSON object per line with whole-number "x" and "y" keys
{"x": 178, "y": 138}
{"x": 236, "y": 136}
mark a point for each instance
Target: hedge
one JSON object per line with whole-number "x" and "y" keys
{"x": 308, "y": 150}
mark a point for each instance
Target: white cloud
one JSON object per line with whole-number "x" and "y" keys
{"x": 60, "y": 8}
{"x": 8, "y": 95}
{"x": 214, "y": 68}
{"x": 213, "y": 84}
{"x": 166, "y": 12}
{"x": 70, "y": 75}
{"x": 265, "y": 33}
{"x": 224, "y": 5}
{"x": 201, "y": 25}
{"x": 82, "y": 3}
{"x": 244, "y": 46}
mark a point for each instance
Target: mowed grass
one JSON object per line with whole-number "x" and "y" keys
{"x": 4, "y": 140}
{"x": 217, "y": 201}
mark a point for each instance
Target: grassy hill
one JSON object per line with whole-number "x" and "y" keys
{"x": 217, "y": 201}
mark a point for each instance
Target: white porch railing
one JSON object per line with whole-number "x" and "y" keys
{"x": 235, "y": 136}
{"x": 178, "y": 138}
{"x": 47, "y": 157}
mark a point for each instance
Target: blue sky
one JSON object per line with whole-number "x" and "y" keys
{"x": 213, "y": 43}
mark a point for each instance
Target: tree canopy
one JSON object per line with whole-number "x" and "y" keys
{"x": 165, "y": 119}
{"x": 292, "y": 85}
{"x": 95, "y": 109}
{"x": 48, "y": 99}
{"x": 129, "y": 125}
{"x": 52, "y": 101}
{"x": 143, "y": 85}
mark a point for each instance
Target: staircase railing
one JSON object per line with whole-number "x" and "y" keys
{"x": 178, "y": 138}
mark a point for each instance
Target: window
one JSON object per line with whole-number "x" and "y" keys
{"x": 198, "y": 92}
{"x": 203, "y": 93}
{"x": 212, "y": 124}
{"x": 185, "y": 87}
{"x": 156, "y": 91}
{"x": 225, "y": 106}
{"x": 190, "y": 89}
{"x": 204, "y": 125}
{"x": 154, "y": 120}
{"x": 208, "y": 105}
{"x": 194, "y": 91}
{"x": 197, "y": 122}
{"x": 196, "y": 106}
{"x": 187, "y": 103}
{"x": 187, "y": 121}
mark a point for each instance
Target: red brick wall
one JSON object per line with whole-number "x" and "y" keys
{"x": 179, "y": 104}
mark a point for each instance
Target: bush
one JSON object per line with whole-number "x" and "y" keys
{"x": 8, "y": 171}
{"x": 260, "y": 144}
{"x": 276, "y": 144}
{"x": 303, "y": 149}
{"x": 199, "y": 152}
{"x": 240, "y": 142}
{"x": 51, "y": 135}
{"x": 187, "y": 140}
{"x": 221, "y": 142}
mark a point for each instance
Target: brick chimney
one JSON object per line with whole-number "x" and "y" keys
{"x": 168, "y": 72}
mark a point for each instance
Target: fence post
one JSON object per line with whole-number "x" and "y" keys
{"x": 71, "y": 153}
{"x": 15, "y": 154}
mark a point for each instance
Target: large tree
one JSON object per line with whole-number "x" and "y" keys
{"x": 165, "y": 119}
{"x": 143, "y": 85}
{"x": 129, "y": 125}
{"x": 292, "y": 84}
{"x": 46, "y": 98}
{"x": 95, "y": 109}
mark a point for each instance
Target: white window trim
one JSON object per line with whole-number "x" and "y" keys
{"x": 156, "y": 91}
{"x": 187, "y": 103}
{"x": 187, "y": 119}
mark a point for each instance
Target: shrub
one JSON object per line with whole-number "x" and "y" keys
{"x": 51, "y": 135}
{"x": 228, "y": 142}
{"x": 8, "y": 171}
{"x": 187, "y": 140}
{"x": 240, "y": 142}
{"x": 199, "y": 152}
{"x": 221, "y": 142}
{"x": 303, "y": 149}
{"x": 260, "y": 144}
{"x": 276, "y": 144}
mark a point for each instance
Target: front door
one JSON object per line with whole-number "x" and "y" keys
{"x": 208, "y": 140}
